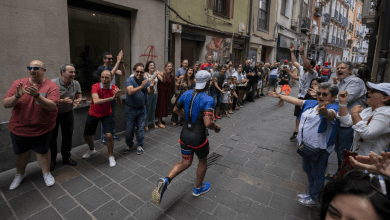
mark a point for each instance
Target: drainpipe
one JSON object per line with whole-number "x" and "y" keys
{"x": 384, "y": 52}
{"x": 299, "y": 31}
{"x": 249, "y": 30}
{"x": 166, "y": 32}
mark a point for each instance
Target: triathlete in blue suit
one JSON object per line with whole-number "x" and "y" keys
{"x": 197, "y": 108}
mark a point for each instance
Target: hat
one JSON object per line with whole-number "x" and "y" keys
{"x": 326, "y": 63}
{"x": 384, "y": 87}
{"x": 201, "y": 77}
{"x": 285, "y": 61}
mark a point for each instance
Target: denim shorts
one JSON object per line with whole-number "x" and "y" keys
{"x": 39, "y": 144}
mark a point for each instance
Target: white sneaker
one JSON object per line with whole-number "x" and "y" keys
{"x": 17, "y": 181}
{"x": 89, "y": 153}
{"x": 49, "y": 179}
{"x": 112, "y": 161}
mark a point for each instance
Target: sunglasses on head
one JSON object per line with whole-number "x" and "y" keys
{"x": 378, "y": 182}
{"x": 377, "y": 91}
{"x": 139, "y": 71}
{"x": 324, "y": 94}
{"x": 35, "y": 68}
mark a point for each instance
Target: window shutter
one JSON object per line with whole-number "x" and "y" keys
{"x": 287, "y": 12}
{"x": 210, "y": 4}
{"x": 229, "y": 8}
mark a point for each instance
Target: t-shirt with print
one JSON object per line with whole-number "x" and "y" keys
{"x": 140, "y": 98}
{"x": 30, "y": 119}
{"x": 284, "y": 74}
{"x": 304, "y": 81}
{"x": 104, "y": 109}
{"x": 225, "y": 98}
{"x": 220, "y": 80}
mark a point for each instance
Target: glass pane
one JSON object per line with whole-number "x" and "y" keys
{"x": 264, "y": 7}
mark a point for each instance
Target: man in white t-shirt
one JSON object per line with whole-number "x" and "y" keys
{"x": 307, "y": 73}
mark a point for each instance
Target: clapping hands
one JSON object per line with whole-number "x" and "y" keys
{"x": 381, "y": 163}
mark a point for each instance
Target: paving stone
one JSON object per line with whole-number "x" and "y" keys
{"x": 22, "y": 204}
{"x": 97, "y": 161}
{"x": 231, "y": 172}
{"x": 163, "y": 217}
{"x": 300, "y": 178}
{"x": 142, "y": 159}
{"x": 254, "y": 181}
{"x": 245, "y": 147}
{"x": 6, "y": 212}
{"x": 143, "y": 172}
{"x": 236, "y": 159}
{"x": 102, "y": 181}
{"x": 111, "y": 210}
{"x": 291, "y": 217}
{"x": 48, "y": 213}
{"x": 139, "y": 186}
{"x": 294, "y": 185}
{"x": 170, "y": 197}
{"x": 277, "y": 171}
{"x": 257, "y": 165}
{"x": 284, "y": 191}
{"x": 225, "y": 213}
{"x": 117, "y": 173}
{"x": 237, "y": 152}
{"x": 91, "y": 173}
{"x": 115, "y": 191}
{"x": 160, "y": 154}
{"x": 181, "y": 185}
{"x": 131, "y": 202}
{"x": 289, "y": 206}
{"x": 129, "y": 165}
{"x": 256, "y": 193}
{"x": 206, "y": 216}
{"x": 250, "y": 171}
{"x": 76, "y": 185}
{"x": 234, "y": 201}
{"x": 147, "y": 211}
{"x": 260, "y": 211}
{"x": 218, "y": 168}
{"x": 200, "y": 202}
{"x": 228, "y": 182}
{"x": 64, "y": 174}
{"x": 77, "y": 214}
{"x": 242, "y": 217}
{"x": 92, "y": 198}
{"x": 64, "y": 204}
{"x": 226, "y": 163}
{"x": 81, "y": 164}
{"x": 53, "y": 192}
{"x": 289, "y": 166}
{"x": 160, "y": 167}
{"x": 251, "y": 155}
{"x": 25, "y": 186}
{"x": 182, "y": 210}
{"x": 268, "y": 160}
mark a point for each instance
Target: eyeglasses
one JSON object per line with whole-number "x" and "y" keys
{"x": 110, "y": 58}
{"x": 139, "y": 71}
{"x": 324, "y": 94}
{"x": 378, "y": 182}
{"x": 35, "y": 68}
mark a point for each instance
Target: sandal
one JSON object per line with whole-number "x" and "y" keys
{"x": 174, "y": 124}
{"x": 156, "y": 126}
{"x": 146, "y": 128}
{"x": 161, "y": 126}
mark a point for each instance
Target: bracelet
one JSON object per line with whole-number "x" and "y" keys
{"x": 17, "y": 96}
{"x": 343, "y": 105}
{"x": 37, "y": 96}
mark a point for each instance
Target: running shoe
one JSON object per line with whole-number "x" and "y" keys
{"x": 112, "y": 161}
{"x": 237, "y": 108}
{"x": 104, "y": 141}
{"x": 140, "y": 150}
{"x": 217, "y": 116}
{"x": 126, "y": 150}
{"x": 307, "y": 202}
{"x": 303, "y": 196}
{"x": 88, "y": 154}
{"x": 203, "y": 189}
{"x": 116, "y": 137}
{"x": 49, "y": 179}
{"x": 294, "y": 136}
{"x": 17, "y": 181}
{"x": 230, "y": 112}
{"x": 158, "y": 192}
{"x": 227, "y": 115}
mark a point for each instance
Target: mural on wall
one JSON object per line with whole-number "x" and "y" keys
{"x": 219, "y": 49}
{"x": 149, "y": 54}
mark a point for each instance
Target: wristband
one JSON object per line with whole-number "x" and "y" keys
{"x": 17, "y": 97}
{"x": 37, "y": 96}
{"x": 343, "y": 105}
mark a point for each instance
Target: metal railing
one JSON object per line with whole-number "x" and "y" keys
{"x": 359, "y": 17}
{"x": 306, "y": 23}
{"x": 354, "y": 49}
{"x": 324, "y": 42}
{"x": 350, "y": 28}
{"x": 336, "y": 15}
{"x": 333, "y": 40}
{"x": 326, "y": 18}
{"x": 340, "y": 17}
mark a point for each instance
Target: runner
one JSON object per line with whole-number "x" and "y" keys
{"x": 198, "y": 114}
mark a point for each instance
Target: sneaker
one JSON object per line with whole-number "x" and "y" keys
{"x": 104, "y": 141}
{"x": 88, "y": 154}
{"x": 227, "y": 115}
{"x": 112, "y": 161}
{"x": 237, "y": 108}
{"x": 307, "y": 202}
{"x": 294, "y": 136}
{"x": 158, "y": 192}
{"x": 230, "y": 112}
{"x": 217, "y": 116}
{"x": 126, "y": 150}
{"x": 214, "y": 119}
{"x": 49, "y": 179}
{"x": 140, "y": 150}
{"x": 303, "y": 196}
{"x": 116, "y": 137}
{"x": 17, "y": 181}
{"x": 203, "y": 189}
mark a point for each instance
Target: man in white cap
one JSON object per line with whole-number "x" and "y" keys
{"x": 197, "y": 109}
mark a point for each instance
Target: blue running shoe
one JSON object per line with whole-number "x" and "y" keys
{"x": 116, "y": 137}
{"x": 104, "y": 141}
{"x": 203, "y": 189}
{"x": 158, "y": 192}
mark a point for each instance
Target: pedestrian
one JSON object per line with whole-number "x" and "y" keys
{"x": 165, "y": 80}
{"x": 216, "y": 91}
{"x": 252, "y": 81}
{"x": 196, "y": 66}
{"x": 233, "y": 94}
{"x": 208, "y": 63}
{"x": 283, "y": 87}
{"x": 198, "y": 111}
{"x": 108, "y": 60}
{"x": 236, "y": 91}
{"x": 273, "y": 76}
{"x": 137, "y": 88}
{"x": 151, "y": 75}
{"x": 182, "y": 70}
{"x": 215, "y": 69}
{"x": 226, "y": 100}
{"x": 100, "y": 110}
{"x": 70, "y": 97}
{"x": 325, "y": 72}
{"x": 34, "y": 111}
{"x": 306, "y": 74}
{"x": 186, "y": 82}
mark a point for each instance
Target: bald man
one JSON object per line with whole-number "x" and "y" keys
{"x": 34, "y": 102}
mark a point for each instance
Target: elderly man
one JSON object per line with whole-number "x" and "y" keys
{"x": 209, "y": 63}
{"x": 108, "y": 60}
{"x": 102, "y": 96}
{"x": 182, "y": 70}
{"x": 70, "y": 97}
{"x": 34, "y": 101}
{"x": 137, "y": 87}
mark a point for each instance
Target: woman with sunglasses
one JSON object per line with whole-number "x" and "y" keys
{"x": 317, "y": 129}
{"x": 371, "y": 125}
{"x": 360, "y": 195}
{"x": 165, "y": 79}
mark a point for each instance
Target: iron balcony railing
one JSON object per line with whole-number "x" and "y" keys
{"x": 333, "y": 40}
{"x": 340, "y": 17}
{"x": 359, "y": 17}
{"x": 337, "y": 41}
{"x": 325, "y": 18}
{"x": 354, "y": 49}
{"x": 336, "y": 15}
{"x": 350, "y": 28}
{"x": 324, "y": 42}
{"x": 306, "y": 23}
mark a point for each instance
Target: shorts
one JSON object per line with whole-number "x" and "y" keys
{"x": 225, "y": 106}
{"x": 194, "y": 140}
{"x": 297, "y": 110}
{"x": 92, "y": 123}
{"x": 272, "y": 82}
{"x": 39, "y": 144}
{"x": 259, "y": 84}
{"x": 201, "y": 153}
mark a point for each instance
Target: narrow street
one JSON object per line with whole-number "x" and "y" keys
{"x": 257, "y": 176}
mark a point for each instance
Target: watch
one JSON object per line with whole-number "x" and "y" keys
{"x": 37, "y": 96}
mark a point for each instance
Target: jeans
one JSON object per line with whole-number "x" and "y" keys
{"x": 315, "y": 172}
{"x": 113, "y": 108}
{"x": 133, "y": 117}
{"x": 324, "y": 78}
{"x": 344, "y": 141}
{"x": 66, "y": 121}
{"x": 152, "y": 102}
{"x": 217, "y": 95}
{"x": 251, "y": 94}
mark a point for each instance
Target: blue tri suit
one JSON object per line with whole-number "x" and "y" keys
{"x": 193, "y": 137}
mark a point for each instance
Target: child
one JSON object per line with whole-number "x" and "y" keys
{"x": 232, "y": 92}
{"x": 235, "y": 93}
{"x": 226, "y": 99}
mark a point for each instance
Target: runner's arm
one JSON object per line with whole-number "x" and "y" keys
{"x": 179, "y": 111}
{"x": 208, "y": 120}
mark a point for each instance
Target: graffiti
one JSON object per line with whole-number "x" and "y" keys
{"x": 219, "y": 49}
{"x": 149, "y": 54}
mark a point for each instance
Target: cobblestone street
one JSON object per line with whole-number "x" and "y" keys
{"x": 258, "y": 176}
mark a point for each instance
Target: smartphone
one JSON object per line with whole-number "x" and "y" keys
{"x": 342, "y": 95}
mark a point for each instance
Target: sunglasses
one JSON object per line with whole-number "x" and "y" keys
{"x": 110, "y": 58}
{"x": 324, "y": 94}
{"x": 35, "y": 68}
{"x": 378, "y": 182}
{"x": 139, "y": 71}
{"x": 377, "y": 91}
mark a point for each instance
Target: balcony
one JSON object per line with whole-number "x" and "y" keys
{"x": 306, "y": 23}
{"x": 325, "y": 19}
{"x": 359, "y": 17}
{"x": 333, "y": 40}
{"x": 340, "y": 18}
{"x": 350, "y": 28}
{"x": 315, "y": 40}
{"x": 335, "y": 15}
{"x": 363, "y": 50}
{"x": 324, "y": 43}
{"x": 318, "y": 9}
{"x": 357, "y": 34}
{"x": 355, "y": 50}
{"x": 294, "y": 23}
{"x": 337, "y": 41}
{"x": 349, "y": 44}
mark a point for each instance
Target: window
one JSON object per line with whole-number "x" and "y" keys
{"x": 285, "y": 8}
{"x": 304, "y": 11}
{"x": 263, "y": 21}
{"x": 220, "y": 7}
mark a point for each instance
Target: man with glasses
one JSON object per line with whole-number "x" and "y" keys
{"x": 102, "y": 96}
{"x": 108, "y": 60}
{"x": 34, "y": 111}
{"x": 137, "y": 88}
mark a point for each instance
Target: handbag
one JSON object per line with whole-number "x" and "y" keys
{"x": 310, "y": 153}
{"x": 347, "y": 165}
{"x": 175, "y": 97}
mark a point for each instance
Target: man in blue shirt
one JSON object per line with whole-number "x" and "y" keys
{"x": 108, "y": 60}
{"x": 137, "y": 87}
{"x": 182, "y": 70}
